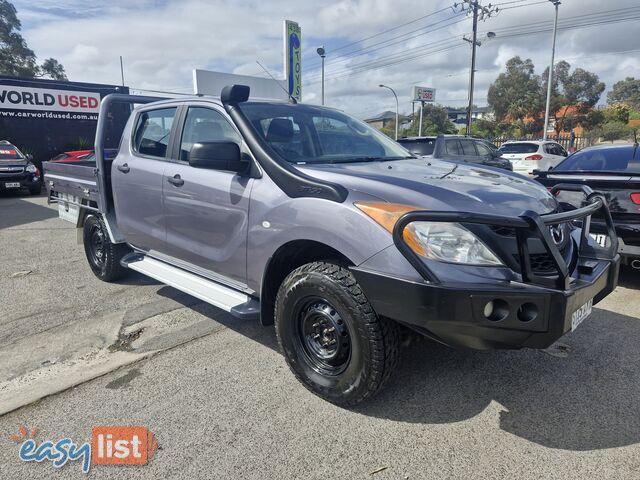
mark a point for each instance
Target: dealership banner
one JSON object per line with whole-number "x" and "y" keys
{"x": 293, "y": 58}
{"x": 48, "y": 100}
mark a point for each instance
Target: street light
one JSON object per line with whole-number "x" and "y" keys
{"x": 321, "y": 52}
{"x": 397, "y": 106}
{"x": 550, "y": 78}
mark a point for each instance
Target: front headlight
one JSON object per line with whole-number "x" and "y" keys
{"x": 440, "y": 241}
{"x": 449, "y": 242}
{"x": 31, "y": 168}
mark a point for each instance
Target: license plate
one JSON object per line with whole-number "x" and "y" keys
{"x": 12, "y": 185}
{"x": 600, "y": 239}
{"x": 580, "y": 314}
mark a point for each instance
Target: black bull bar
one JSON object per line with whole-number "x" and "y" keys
{"x": 527, "y": 225}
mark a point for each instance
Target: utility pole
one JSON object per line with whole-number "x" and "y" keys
{"x": 479, "y": 12}
{"x": 474, "y": 44}
{"x": 550, "y": 78}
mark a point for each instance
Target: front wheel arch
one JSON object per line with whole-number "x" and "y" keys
{"x": 285, "y": 259}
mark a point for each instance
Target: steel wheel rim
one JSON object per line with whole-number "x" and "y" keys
{"x": 323, "y": 337}
{"x": 97, "y": 248}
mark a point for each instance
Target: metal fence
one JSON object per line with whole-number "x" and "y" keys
{"x": 566, "y": 141}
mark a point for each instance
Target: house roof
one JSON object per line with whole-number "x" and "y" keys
{"x": 386, "y": 115}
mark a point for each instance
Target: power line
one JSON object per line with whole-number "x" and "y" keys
{"x": 406, "y": 56}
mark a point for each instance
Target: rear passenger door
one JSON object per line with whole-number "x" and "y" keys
{"x": 137, "y": 178}
{"x": 206, "y": 210}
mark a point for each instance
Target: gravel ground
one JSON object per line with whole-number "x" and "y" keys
{"x": 224, "y": 405}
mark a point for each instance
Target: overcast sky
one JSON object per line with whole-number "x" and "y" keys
{"x": 162, "y": 41}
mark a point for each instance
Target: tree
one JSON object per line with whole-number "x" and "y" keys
{"x": 16, "y": 58}
{"x": 434, "y": 121}
{"x": 626, "y": 91}
{"x": 53, "y": 69}
{"x": 579, "y": 90}
{"x": 618, "y": 112}
{"x": 613, "y": 130}
{"x": 515, "y": 93}
{"x": 519, "y": 95}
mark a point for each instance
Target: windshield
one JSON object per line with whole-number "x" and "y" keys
{"x": 519, "y": 148}
{"x": 9, "y": 152}
{"x": 419, "y": 147}
{"x": 612, "y": 159}
{"x": 310, "y": 134}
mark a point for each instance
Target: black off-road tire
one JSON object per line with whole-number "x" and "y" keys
{"x": 103, "y": 255}
{"x": 323, "y": 292}
{"x": 36, "y": 189}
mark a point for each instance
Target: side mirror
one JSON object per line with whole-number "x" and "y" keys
{"x": 29, "y": 157}
{"x": 217, "y": 156}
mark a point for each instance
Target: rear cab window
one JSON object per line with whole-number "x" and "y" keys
{"x": 419, "y": 147}
{"x": 152, "y": 132}
{"x": 519, "y": 148}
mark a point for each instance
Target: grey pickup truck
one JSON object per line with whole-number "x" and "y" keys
{"x": 305, "y": 217}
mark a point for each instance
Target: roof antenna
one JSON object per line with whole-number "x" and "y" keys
{"x": 291, "y": 97}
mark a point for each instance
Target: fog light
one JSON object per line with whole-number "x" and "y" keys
{"x": 527, "y": 312}
{"x": 496, "y": 310}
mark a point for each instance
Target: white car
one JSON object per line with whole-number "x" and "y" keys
{"x": 527, "y": 156}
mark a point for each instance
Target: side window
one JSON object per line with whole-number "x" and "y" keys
{"x": 152, "y": 132}
{"x": 483, "y": 150}
{"x": 548, "y": 148}
{"x": 453, "y": 147}
{"x": 560, "y": 150}
{"x": 205, "y": 125}
{"x": 468, "y": 148}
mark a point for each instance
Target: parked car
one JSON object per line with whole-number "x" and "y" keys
{"x": 459, "y": 148}
{"x": 83, "y": 156}
{"x": 614, "y": 171}
{"x": 17, "y": 170}
{"x": 304, "y": 216}
{"x": 528, "y": 156}
{"x": 72, "y": 156}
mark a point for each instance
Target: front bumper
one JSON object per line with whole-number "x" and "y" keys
{"x": 533, "y": 311}
{"x": 26, "y": 180}
{"x": 454, "y": 314}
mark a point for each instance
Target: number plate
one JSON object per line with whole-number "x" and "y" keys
{"x": 12, "y": 185}
{"x": 600, "y": 239}
{"x": 580, "y": 314}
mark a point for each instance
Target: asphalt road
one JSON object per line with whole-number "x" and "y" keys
{"x": 222, "y": 403}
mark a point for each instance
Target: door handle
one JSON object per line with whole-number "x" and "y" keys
{"x": 176, "y": 180}
{"x": 124, "y": 168}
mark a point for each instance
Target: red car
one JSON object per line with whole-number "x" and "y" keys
{"x": 74, "y": 156}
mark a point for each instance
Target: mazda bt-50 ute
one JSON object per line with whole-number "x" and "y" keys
{"x": 305, "y": 217}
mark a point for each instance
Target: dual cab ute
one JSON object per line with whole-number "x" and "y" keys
{"x": 305, "y": 217}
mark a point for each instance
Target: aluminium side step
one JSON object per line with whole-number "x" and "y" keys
{"x": 236, "y": 303}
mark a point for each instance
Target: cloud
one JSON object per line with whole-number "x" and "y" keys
{"x": 162, "y": 41}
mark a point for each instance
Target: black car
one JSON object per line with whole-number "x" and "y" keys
{"x": 614, "y": 171}
{"x": 17, "y": 171}
{"x": 457, "y": 148}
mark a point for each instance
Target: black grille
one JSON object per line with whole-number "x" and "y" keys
{"x": 541, "y": 263}
{"x": 504, "y": 231}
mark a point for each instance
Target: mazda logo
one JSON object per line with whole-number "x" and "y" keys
{"x": 557, "y": 234}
